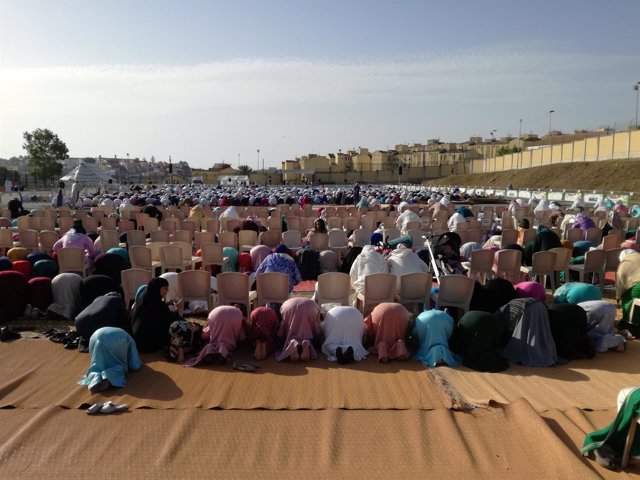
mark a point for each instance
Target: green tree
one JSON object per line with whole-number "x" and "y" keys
{"x": 244, "y": 170}
{"x": 45, "y": 151}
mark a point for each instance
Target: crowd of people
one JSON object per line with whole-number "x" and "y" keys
{"x": 503, "y": 320}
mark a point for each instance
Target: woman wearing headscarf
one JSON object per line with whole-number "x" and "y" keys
{"x": 403, "y": 260}
{"x": 262, "y": 332}
{"x": 368, "y": 262}
{"x": 478, "y": 338}
{"x": 13, "y": 294}
{"x": 223, "y": 330}
{"x": 300, "y": 326}
{"x": 344, "y": 329}
{"x": 544, "y": 240}
{"x": 105, "y": 311}
{"x": 601, "y": 330}
{"x": 110, "y": 265}
{"x": 232, "y": 254}
{"x": 569, "y": 329}
{"x": 575, "y": 292}
{"x": 628, "y": 282}
{"x": 387, "y": 326}
{"x": 151, "y": 317}
{"x": 499, "y": 292}
{"x": 67, "y": 297}
{"x": 529, "y": 339}
{"x": 531, "y": 290}
{"x": 258, "y": 254}
{"x": 583, "y": 222}
{"x": 77, "y": 237}
{"x": 433, "y": 330}
{"x": 113, "y": 354}
{"x": 40, "y": 295}
{"x": 95, "y": 286}
{"x": 280, "y": 261}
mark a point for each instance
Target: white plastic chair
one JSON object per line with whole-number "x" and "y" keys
{"x": 455, "y": 291}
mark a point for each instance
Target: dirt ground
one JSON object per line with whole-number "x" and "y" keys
{"x": 610, "y": 176}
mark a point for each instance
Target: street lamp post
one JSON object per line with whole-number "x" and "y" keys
{"x": 550, "y": 112}
{"x": 128, "y": 167}
{"x": 115, "y": 157}
{"x": 636, "y": 87}
{"x": 520, "y": 142}
{"x": 258, "y": 164}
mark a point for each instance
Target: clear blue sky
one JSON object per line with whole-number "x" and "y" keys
{"x": 204, "y": 81}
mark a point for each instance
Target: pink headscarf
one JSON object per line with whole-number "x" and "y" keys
{"x": 531, "y": 290}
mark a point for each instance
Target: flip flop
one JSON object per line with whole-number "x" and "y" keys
{"x": 110, "y": 407}
{"x": 95, "y": 408}
{"x": 245, "y": 367}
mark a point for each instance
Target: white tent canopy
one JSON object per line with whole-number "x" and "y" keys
{"x": 86, "y": 174}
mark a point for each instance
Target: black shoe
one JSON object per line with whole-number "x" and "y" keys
{"x": 7, "y": 335}
{"x": 348, "y": 355}
{"x": 340, "y": 356}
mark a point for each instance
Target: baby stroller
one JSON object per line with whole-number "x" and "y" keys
{"x": 443, "y": 254}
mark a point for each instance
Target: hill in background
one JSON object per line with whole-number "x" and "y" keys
{"x": 610, "y": 176}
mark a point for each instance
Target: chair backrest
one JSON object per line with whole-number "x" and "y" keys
{"x": 593, "y": 235}
{"x": 6, "y": 239}
{"x": 508, "y": 262}
{"x": 575, "y": 234}
{"x": 594, "y": 260}
{"x": 150, "y": 224}
{"x": 182, "y": 236}
{"x": 170, "y": 224}
{"x": 247, "y": 238}
{"x": 319, "y": 241}
{"x": 528, "y": 235}
{"x": 334, "y": 222}
{"x": 415, "y": 288}
{"x": 378, "y": 288}
{"x": 90, "y": 224}
{"x": 29, "y": 239}
{"x": 611, "y": 241}
{"x": 292, "y": 239}
{"x": 124, "y": 226}
{"x": 212, "y": 254}
{"x": 509, "y": 237}
{"x": 187, "y": 251}
{"x": 159, "y": 236}
{"x": 171, "y": 258}
{"x": 563, "y": 257}
{"x": 155, "y": 249}
{"x": 455, "y": 291}
{"x": 390, "y": 233}
{"x": 270, "y": 238}
{"x": 228, "y": 239}
{"x": 361, "y": 237}
{"x": 612, "y": 259}
{"x": 233, "y": 287}
{"x": 212, "y": 225}
{"x": 293, "y": 223}
{"x": 47, "y": 239}
{"x": 140, "y": 257}
{"x": 482, "y": 261}
{"x": 109, "y": 223}
{"x": 189, "y": 225}
{"x": 201, "y": 238}
{"x": 65, "y": 224}
{"x": 71, "y": 259}
{"x": 272, "y": 287}
{"x": 274, "y": 223}
{"x": 136, "y": 237}
{"x": 351, "y": 223}
{"x": 333, "y": 287}
{"x": 338, "y": 238}
{"x": 195, "y": 285}
{"x": 543, "y": 262}
{"x": 132, "y": 279}
{"x": 109, "y": 239}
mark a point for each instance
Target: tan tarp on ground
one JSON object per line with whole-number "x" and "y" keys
{"x": 297, "y": 421}
{"x": 505, "y": 442}
{"x": 40, "y": 373}
{"x": 590, "y": 384}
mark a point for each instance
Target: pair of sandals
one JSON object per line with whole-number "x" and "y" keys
{"x": 106, "y": 408}
{"x": 245, "y": 367}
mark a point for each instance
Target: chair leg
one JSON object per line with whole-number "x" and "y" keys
{"x": 629, "y": 441}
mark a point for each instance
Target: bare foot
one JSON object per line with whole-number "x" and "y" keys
{"x": 305, "y": 356}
